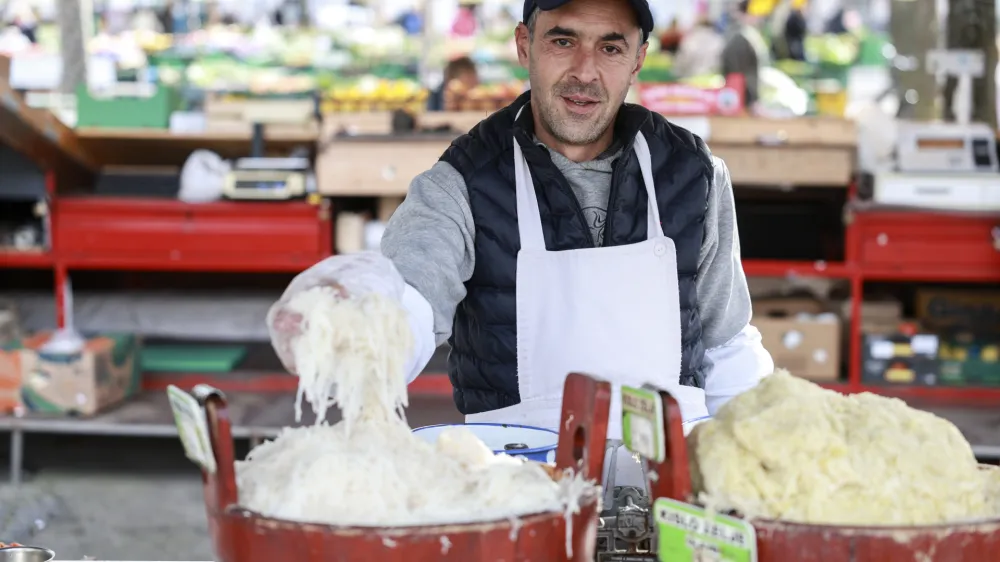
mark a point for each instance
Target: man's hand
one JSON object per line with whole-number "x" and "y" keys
{"x": 350, "y": 276}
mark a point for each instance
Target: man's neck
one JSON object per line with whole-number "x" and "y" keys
{"x": 576, "y": 153}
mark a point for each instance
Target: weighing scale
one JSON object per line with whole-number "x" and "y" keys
{"x": 265, "y": 178}
{"x": 946, "y": 165}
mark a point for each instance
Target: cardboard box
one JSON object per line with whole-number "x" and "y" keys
{"x": 105, "y": 373}
{"x": 901, "y": 359}
{"x": 800, "y": 336}
{"x": 877, "y": 317}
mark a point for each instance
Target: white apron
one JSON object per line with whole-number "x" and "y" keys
{"x": 611, "y": 312}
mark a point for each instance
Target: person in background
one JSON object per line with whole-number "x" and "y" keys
{"x": 788, "y": 31}
{"x": 670, "y": 39}
{"x": 700, "y": 50}
{"x": 796, "y": 29}
{"x": 569, "y": 231}
{"x": 26, "y": 20}
{"x": 462, "y": 69}
{"x": 745, "y": 52}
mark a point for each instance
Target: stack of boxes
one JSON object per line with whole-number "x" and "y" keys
{"x": 103, "y": 373}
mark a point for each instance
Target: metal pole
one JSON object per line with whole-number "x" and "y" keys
{"x": 16, "y": 454}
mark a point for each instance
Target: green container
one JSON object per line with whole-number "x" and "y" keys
{"x": 151, "y": 112}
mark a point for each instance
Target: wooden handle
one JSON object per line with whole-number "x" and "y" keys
{"x": 220, "y": 486}
{"x": 583, "y": 429}
{"x": 672, "y": 476}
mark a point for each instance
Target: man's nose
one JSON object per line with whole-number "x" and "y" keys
{"x": 585, "y": 66}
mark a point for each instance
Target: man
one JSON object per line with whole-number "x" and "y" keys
{"x": 745, "y": 52}
{"x": 567, "y": 232}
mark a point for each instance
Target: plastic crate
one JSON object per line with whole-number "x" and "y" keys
{"x": 131, "y": 111}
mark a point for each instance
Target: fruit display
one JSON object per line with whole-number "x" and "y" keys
{"x": 374, "y": 94}
{"x": 485, "y": 97}
{"x": 834, "y": 49}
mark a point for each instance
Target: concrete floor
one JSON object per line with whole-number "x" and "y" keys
{"x": 110, "y": 499}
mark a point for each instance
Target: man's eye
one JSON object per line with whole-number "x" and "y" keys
{"x": 612, "y": 50}
{"x": 562, "y": 42}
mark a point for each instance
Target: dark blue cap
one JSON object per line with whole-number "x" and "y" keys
{"x": 641, "y": 8}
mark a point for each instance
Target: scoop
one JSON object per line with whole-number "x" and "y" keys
{"x": 26, "y": 554}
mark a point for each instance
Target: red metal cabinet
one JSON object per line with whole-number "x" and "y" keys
{"x": 101, "y": 233}
{"x": 928, "y": 247}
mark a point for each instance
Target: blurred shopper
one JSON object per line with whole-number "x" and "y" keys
{"x": 670, "y": 39}
{"x": 745, "y": 51}
{"x": 700, "y": 51}
{"x": 461, "y": 70}
{"x": 788, "y": 31}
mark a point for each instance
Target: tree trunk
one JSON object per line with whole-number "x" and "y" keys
{"x": 972, "y": 25}
{"x": 914, "y": 29}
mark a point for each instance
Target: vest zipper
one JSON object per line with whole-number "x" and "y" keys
{"x": 615, "y": 171}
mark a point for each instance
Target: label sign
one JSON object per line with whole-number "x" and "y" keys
{"x": 686, "y": 533}
{"x": 192, "y": 428}
{"x": 642, "y": 423}
{"x": 687, "y": 99}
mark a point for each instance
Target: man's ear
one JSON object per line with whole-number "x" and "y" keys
{"x": 639, "y": 60}
{"x": 522, "y": 38}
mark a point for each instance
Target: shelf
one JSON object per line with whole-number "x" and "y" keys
{"x": 160, "y": 147}
{"x": 253, "y": 415}
{"x": 930, "y": 274}
{"x": 775, "y": 268}
{"x": 25, "y": 260}
{"x": 922, "y": 246}
{"x": 41, "y": 136}
{"x": 143, "y": 134}
{"x": 427, "y": 384}
{"x": 938, "y": 394}
{"x": 169, "y": 235}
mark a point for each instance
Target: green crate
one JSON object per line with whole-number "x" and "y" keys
{"x": 126, "y": 111}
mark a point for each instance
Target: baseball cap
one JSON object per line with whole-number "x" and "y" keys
{"x": 641, "y": 7}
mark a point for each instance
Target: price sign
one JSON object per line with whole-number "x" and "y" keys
{"x": 192, "y": 428}
{"x": 642, "y": 422}
{"x": 687, "y": 533}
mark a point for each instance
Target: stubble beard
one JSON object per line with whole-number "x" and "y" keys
{"x": 567, "y": 128}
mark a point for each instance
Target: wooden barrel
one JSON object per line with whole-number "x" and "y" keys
{"x": 239, "y": 535}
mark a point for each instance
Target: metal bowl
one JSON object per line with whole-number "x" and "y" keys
{"x": 26, "y": 554}
{"x": 533, "y": 443}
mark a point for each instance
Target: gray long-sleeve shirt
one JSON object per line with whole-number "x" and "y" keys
{"x": 431, "y": 240}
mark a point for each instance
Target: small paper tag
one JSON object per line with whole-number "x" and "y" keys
{"x": 642, "y": 423}
{"x": 687, "y": 533}
{"x": 192, "y": 428}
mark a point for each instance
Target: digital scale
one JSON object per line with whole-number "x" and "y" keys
{"x": 267, "y": 179}
{"x": 952, "y": 166}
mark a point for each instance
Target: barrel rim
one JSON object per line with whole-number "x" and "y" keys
{"x": 519, "y": 452}
{"x": 590, "y": 499}
{"x": 861, "y": 529}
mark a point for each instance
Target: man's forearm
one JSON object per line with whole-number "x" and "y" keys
{"x": 735, "y": 360}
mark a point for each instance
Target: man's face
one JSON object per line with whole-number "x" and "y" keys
{"x": 581, "y": 58}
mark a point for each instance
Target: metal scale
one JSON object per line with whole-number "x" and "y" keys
{"x": 267, "y": 178}
{"x": 940, "y": 165}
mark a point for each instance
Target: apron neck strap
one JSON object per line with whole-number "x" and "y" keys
{"x": 654, "y": 228}
{"x": 529, "y": 220}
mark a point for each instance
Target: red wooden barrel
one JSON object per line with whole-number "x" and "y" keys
{"x": 241, "y": 536}
{"x": 782, "y": 541}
